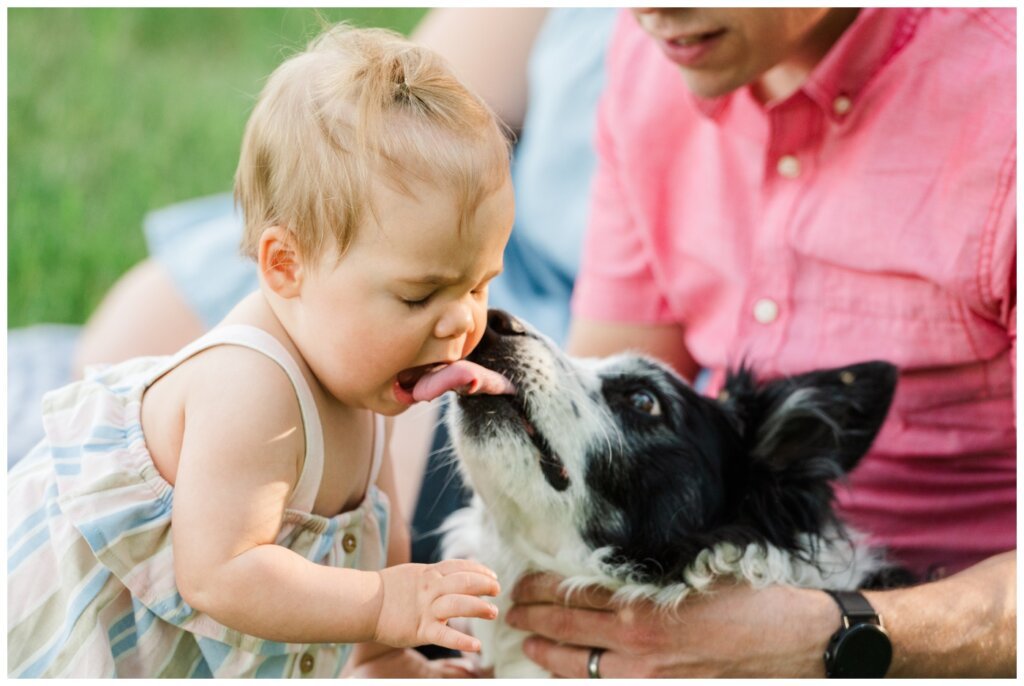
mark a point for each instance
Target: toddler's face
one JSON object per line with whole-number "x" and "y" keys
{"x": 410, "y": 293}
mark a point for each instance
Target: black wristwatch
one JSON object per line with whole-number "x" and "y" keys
{"x": 861, "y": 648}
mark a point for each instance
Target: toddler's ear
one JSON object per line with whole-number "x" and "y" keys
{"x": 280, "y": 262}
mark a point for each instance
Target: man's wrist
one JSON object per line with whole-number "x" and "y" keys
{"x": 826, "y": 618}
{"x": 860, "y": 646}
{"x": 809, "y": 629}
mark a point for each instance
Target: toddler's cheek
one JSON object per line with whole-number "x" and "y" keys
{"x": 479, "y": 326}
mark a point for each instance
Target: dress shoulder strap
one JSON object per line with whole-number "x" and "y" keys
{"x": 259, "y": 340}
{"x": 379, "y": 438}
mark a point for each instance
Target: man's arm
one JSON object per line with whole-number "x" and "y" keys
{"x": 488, "y": 49}
{"x": 963, "y": 626}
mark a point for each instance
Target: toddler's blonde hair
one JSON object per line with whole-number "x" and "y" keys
{"x": 355, "y": 104}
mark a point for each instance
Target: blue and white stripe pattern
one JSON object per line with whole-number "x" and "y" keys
{"x": 91, "y": 589}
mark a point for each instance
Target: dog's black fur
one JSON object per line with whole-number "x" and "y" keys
{"x": 755, "y": 465}
{"x": 615, "y": 471}
{"x": 705, "y": 471}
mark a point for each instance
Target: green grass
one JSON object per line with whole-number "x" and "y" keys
{"x": 113, "y": 112}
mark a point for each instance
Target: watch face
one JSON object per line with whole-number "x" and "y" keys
{"x": 863, "y": 651}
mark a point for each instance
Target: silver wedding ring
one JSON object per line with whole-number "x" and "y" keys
{"x": 592, "y": 663}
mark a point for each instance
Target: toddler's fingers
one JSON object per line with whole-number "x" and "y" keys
{"x": 443, "y": 635}
{"x": 449, "y": 606}
{"x": 446, "y": 567}
{"x": 469, "y": 583}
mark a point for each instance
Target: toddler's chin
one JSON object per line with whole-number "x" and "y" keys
{"x": 391, "y": 410}
{"x": 392, "y": 402}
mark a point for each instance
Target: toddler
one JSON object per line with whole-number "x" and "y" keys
{"x": 223, "y": 511}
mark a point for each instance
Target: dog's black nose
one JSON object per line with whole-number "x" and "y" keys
{"x": 504, "y": 324}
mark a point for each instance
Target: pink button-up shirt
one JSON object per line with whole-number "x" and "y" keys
{"x": 871, "y": 215}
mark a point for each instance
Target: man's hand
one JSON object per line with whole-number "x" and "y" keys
{"x": 420, "y": 599}
{"x": 960, "y": 626}
{"x": 735, "y": 630}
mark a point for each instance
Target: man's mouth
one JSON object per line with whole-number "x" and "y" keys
{"x": 692, "y": 49}
{"x": 695, "y": 38}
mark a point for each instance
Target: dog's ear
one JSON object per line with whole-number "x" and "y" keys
{"x": 832, "y": 414}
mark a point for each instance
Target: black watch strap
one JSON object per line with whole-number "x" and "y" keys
{"x": 861, "y": 647}
{"x": 855, "y": 607}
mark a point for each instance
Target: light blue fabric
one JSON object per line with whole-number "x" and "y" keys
{"x": 39, "y": 360}
{"x": 198, "y": 242}
{"x": 551, "y": 170}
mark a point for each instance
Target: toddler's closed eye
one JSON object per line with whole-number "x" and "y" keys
{"x": 417, "y": 303}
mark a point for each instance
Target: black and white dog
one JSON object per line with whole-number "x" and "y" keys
{"x": 615, "y": 472}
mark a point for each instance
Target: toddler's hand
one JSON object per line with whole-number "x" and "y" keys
{"x": 420, "y": 599}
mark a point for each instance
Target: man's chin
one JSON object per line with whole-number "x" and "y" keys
{"x": 709, "y": 86}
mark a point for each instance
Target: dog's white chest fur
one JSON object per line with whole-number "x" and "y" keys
{"x": 473, "y": 532}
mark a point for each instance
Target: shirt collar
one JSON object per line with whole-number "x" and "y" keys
{"x": 864, "y": 49}
{"x": 867, "y": 45}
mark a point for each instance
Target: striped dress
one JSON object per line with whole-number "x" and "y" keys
{"x": 90, "y": 570}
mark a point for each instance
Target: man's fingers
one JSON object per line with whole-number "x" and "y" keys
{"x": 469, "y": 583}
{"x": 536, "y": 588}
{"x": 448, "y": 606}
{"x": 566, "y": 625}
{"x": 570, "y": 662}
{"x": 544, "y": 588}
{"x": 440, "y": 634}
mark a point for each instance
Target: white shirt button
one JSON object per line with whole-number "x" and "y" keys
{"x": 788, "y": 166}
{"x": 766, "y": 311}
{"x": 842, "y": 104}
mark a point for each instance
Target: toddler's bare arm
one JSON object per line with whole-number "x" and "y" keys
{"x": 240, "y": 461}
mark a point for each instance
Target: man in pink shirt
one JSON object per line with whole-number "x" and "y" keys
{"x": 808, "y": 188}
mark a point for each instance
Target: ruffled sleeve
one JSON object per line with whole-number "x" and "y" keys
{"x": 113, "y": 495}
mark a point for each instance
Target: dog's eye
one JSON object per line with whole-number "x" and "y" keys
{"x": 646, "y": 403}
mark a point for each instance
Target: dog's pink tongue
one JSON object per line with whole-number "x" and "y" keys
{"x": 463, "y": 376}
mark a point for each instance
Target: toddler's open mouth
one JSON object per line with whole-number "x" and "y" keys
{"x": 429, "y": 381}
{"x": 405, "y": 382}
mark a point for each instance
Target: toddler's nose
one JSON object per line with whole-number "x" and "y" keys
{"x": 456, "y": 322}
